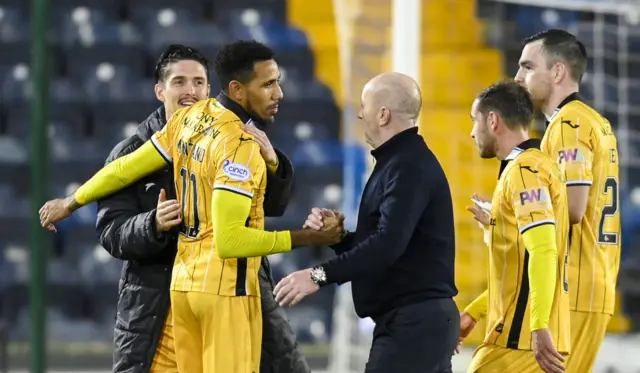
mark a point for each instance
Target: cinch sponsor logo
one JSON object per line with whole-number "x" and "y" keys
{"x": 569, "y": 155}
{"x": 236, "y": 171}
{"x": 533, "y": 196}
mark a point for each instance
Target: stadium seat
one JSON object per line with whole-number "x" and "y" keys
{"x": 532, "y": 19}
{"x": 79, "y": 59}
{"x": 88, "y": 27}
{"x": 70, "y": 115}
{"x": 134, "y": 8}
{"x": 154, "y": 14}
{"x": 323, "y": 112}
{"x": 14, "y": 26}
{"x": 160, "y": 36}
{"x": 318, "y": 153}
{"x": 277, "y": 8}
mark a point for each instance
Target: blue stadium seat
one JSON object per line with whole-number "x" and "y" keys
{"x": 135, "y": 7}
{"x": 112, "y": 83}
{"x": 70, "y": 115}
{"x": 122, "y": 112}
{"x": 159, "y": 37}
{"x": 323, "y": 112}
{"x": 80, "y": 60}
{"x": 110, "y": 9}
{"x": 532, "y": 19}
{"x": 14, "y": 26}
{"x": 277, "y": 8}
{"x": 88, "y": 27}
{"x": 152, "y": 15}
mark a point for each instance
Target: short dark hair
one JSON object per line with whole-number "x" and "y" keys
{"x": 175, "y": 53}
{"x": 562, "y": 46}
{"x": 235, "y": 61}
{"x": 510, "y": 100}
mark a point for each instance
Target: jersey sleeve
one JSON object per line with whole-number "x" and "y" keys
{"x": 571, "y": 147}
{"x": 529, "y": 183}
{"x": 163, "y": 139}
{"x": 239, "y": 165}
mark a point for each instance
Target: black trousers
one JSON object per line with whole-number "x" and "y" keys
{"x": 418, "y": 338}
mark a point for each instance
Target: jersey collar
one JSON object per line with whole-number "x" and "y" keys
{"x": 572, "y": 97}
{"x": 527, "y": 144}
{"x": 238, "y": 110}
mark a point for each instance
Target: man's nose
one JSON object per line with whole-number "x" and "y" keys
{"x": 278, "y": 94}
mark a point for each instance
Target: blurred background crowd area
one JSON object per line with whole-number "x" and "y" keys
{"x": 102, "y": 55}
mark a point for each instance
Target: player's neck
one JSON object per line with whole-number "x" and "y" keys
{"x": 558, "y": 95}
{"x": 511, "y": 140}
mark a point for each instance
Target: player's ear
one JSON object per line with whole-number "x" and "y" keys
{"x": 159, "y": 92}
{"x": 560, "y": 70}
{"x": 236, "y": 90}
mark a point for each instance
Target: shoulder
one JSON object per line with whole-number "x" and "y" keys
{"x": 577, "y": 115}
{"x": 533, "y": 163}
{"x": 124, "y": 147}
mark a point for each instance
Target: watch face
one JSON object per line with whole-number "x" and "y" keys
{"x": 318, "y": 275}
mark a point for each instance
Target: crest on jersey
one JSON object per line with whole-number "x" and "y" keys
{"x": 236, "y": 171}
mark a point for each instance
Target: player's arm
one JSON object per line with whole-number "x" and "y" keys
{"x": 152, "y": 156}
{"x": 571, "y": 147}
{"x": 400, "y": 210}
{"x": 126, "y": 227}
{"x": 239, "y": 173}
{"x": 532, "y": 204}
{"x": 478, "y": 308}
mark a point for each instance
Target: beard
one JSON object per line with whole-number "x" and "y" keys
{"x": 487, "y": 150}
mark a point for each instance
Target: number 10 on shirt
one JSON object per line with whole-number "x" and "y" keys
{"x": 189, "y": 180}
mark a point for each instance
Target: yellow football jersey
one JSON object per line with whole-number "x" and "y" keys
{"x": 530, "y": 192}
{"x": 585, "y": 148}
{"x": 209, "y": 150}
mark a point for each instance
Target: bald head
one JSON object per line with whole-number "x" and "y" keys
{"x": 397, "y": 92}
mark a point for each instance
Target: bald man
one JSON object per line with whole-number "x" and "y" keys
{"x": 400, "y": 259}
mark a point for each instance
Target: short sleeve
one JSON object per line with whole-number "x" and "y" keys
{"x": 529, "y": 184}
{"x": 571, "y": 147}
{"x": 239, "y": 165}
{"x": 163, "y": 140}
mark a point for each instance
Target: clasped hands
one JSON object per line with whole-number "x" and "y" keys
{"x": 295, "y": 287}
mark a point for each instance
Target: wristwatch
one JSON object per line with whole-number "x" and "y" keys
{"x": 318, "y": 275}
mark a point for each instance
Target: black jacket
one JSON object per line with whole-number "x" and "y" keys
{"x": 126, "y": 228}
{"x": 403, "y": 249}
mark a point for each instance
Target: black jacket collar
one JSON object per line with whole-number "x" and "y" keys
{"x": 395, "y": 143}
{"x": 152, "y": 124}
{"x": 238, "y": 110}
{"x": 527, "y": 144}
{"x": 572, "y": 97}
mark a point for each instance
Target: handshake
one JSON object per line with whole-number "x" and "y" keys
{"x": 324, "y": 226}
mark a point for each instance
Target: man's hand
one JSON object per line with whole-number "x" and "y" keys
{"x": 329, "y": 234}
{"x": 293, "y": 288}
{"x": 545, "y": 352}
{"x": 467, "y": 323}
{"x": 266, "y": 149}
{"x": 479, "y": 214}
{"x": 316, "y": 219}
{"x": 55, "y": 210}
{"x": 167, "y": 213}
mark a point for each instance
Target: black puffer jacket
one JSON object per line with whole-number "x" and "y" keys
{"x": 126, "y": 228}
